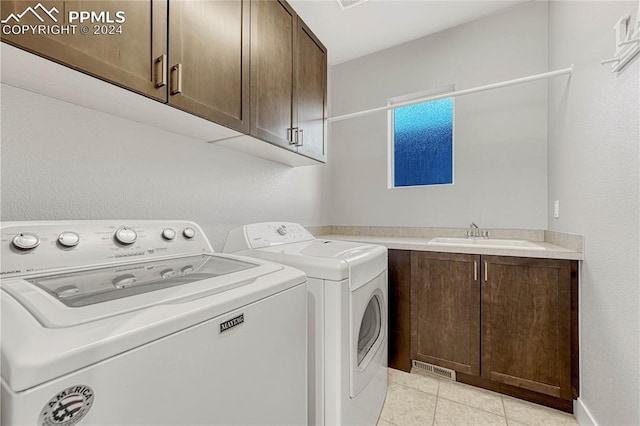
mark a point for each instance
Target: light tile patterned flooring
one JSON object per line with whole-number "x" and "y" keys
{"x": 419, "y": 399}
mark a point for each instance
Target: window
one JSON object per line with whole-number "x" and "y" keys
{"x": 421, "y": 142}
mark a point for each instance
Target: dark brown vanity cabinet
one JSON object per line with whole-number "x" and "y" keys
{"x": 125, "y": 47}
{"x": 508, "y": 324}
{"x": 399, "y": 321}
{"x": 529, "y": 317}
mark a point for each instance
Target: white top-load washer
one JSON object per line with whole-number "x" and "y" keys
{"x": 141, "y": 323}
{"x": 347, "y": 285}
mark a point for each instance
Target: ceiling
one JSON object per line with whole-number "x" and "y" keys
{"x": 378, "y": 24}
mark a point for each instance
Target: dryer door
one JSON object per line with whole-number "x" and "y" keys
{"x": 368, "y": 332}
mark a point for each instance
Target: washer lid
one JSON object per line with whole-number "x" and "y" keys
{"x": 33, "y": 354}
{"x": 72, "y": 298}
{"x": 329, "y": 259}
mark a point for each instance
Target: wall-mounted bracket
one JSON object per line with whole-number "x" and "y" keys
{"x": 627, "y": 39}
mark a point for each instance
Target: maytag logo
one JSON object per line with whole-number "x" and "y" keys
{"x": 227, "y": 325}
{"x": 15, "y": 271}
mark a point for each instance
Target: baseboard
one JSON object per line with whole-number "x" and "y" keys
{"x": 582, "y": 414}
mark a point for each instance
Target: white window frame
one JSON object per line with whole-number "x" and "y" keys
{"x": 391, "y": 132}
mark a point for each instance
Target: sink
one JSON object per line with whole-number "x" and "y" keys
{"x": 487, "y": 243}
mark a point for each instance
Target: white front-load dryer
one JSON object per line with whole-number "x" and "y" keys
{"x": 368, "y": 320}
{"x": 347, "y": 323}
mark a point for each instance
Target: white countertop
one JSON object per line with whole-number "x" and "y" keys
{"x": 422, "y": 244}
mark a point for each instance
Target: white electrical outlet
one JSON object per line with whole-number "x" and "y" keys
{"x": 556, "y": 209}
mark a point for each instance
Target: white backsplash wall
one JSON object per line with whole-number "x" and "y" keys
{"x": 62, "y": 161}
{"x": 500, "y": 136}
{"x": 594, "y": 171}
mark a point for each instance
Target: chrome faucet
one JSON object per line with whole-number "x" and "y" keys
{"x": 475, "y": 232}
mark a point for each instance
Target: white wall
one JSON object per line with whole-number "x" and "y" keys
{"x": 594, "y": 170}
{"x": 62, "y": 161}
{"x": 500, "y": 135}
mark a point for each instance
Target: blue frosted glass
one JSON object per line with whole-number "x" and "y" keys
{"x": 423, "y": 143}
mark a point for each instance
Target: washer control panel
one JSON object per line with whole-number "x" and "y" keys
{"x": 258, "y": 235}
{"x": 32, "y": 247}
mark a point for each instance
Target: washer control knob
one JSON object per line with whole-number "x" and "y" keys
{"x": 68, "y": 239}
{"x": 168, "y": 234}
{"x": 167, "y": 273}
{"x": 26, "y": 241}
{"x": 188, "y": 269}
{"x": 282, "y": 230}
{"x": 189, "y": 233}
{"x": 126, "y": 235}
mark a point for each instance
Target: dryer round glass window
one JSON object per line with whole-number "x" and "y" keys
{"x": 369, "y": 328}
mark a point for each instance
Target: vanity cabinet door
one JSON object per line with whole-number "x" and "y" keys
{"x": 527, "y": 329}
{"x": 445, "y": 310}
{"x": 127, "y": 53}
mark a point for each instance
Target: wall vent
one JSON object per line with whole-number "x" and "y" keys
{"x": 434, "y": 369}
{"x": 346, "y": 4}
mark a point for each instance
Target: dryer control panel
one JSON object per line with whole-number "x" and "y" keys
{"x": 265, "y": 234}
{"x": 29, "y": 248}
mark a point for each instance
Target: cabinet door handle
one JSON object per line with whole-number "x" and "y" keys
{"x": 301, "y": 141}
{"x": 294, "y": 136}
{"x": 288, "y": 134}
{"x": 486, "y": 271}
{"x": 475, "y": 271}
{"x": 161, "y": 71}
{"x": 176, "y": 83}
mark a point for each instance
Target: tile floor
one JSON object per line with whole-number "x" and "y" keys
{"x": 419, "y": 399}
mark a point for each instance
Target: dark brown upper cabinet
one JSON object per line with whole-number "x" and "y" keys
{"x": 272, "y": 79}
{"x": 209, "y": 60}
{"x": 311, "y": 94}
{"x": 129, "y": 59}
{"x": 249, "y": 65}
{"x": 527, "y": 322}
{"x": 288, "y": 80}
{"x": 445, "y": 308}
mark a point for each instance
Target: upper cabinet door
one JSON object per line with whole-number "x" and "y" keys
{"x": 126, "y": 53}
{"x": 272, "y": 78}
{"x": 209, "y": 60}
{"x": 311, "y": 93}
